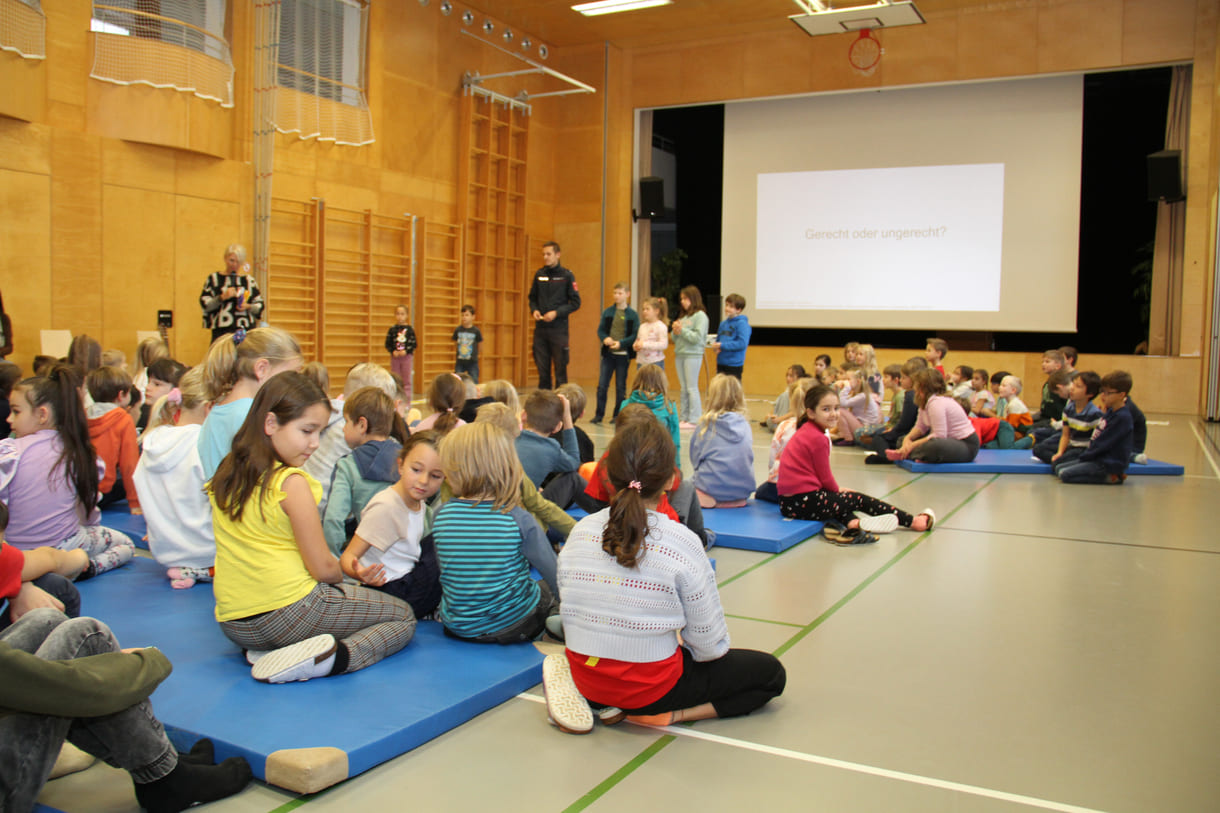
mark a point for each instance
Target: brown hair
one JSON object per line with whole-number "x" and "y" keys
{"x": 85, "y": 354}
{"x": 58, "y": 390}
{"x": 446, "y": 396}
{"x": 106, "y": 384}
{"x": 576, "y": 398}
{"x": 1119, "y": 381}
{"x": 929, "y": 382}
{"x": 318, "y": 374}
{"x": 639, "y": 464}
{"x": 543, "y": 410}
{"x": 377, "y": 409}
{"x": 736, "y": 300}
{"x": 813, "y": 397}
{"x": 696, "y": 301}
{"x": 940, "y": 346}
{"x": 253, "y": 461}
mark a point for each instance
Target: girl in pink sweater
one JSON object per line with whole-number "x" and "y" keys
{"x": 653, "y": 336}
{"x": 807, "y": 487}
{"x": 943, "y": 432}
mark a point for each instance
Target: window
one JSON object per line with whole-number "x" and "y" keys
{"x": 195, "y": 24}
{"x": 322, "y": 45}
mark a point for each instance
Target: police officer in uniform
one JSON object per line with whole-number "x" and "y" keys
{"x": 552, "y": 297}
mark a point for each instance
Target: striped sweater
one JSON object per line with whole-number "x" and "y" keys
{"x": 485, "y": 557}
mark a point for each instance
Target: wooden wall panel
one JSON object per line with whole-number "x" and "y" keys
{"x": 978, "y": 32}
{"x": 25, "y": 264}
{"x": 76, "y": 229}
{"x": 141, "y": 166}
{"x": 137, "y": 263}
{"x": 1079, "y": 35}
{"x": 1161, "y": 33}
{"x": 25, "y": 87}
{"x": 25, "y": 147}
{"x": 920, "y": 54}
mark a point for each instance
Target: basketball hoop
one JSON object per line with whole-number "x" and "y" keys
{"x": 865, "y": 53}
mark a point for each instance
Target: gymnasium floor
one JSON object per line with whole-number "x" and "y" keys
{"x": 1045, "y": 648}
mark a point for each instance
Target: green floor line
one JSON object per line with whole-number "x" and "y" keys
{"x": 834, "y": 608}
{"x": 896, "y": 489}
{"x": 619, "y": 775}
{"x": 300, "y": 800}
{"x": 749, "y": 569}
{"x": 763, "y": 620}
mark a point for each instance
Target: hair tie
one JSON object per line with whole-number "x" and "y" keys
{"x": 637, "y": 485}
{"x": 174, "y": 396}
{"x": 239, "y": 336}
{"x": 448, "y": 409}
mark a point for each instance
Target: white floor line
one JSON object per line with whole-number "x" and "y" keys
{"x": 1206, "y": 452}
{"x": 943, "y": 784}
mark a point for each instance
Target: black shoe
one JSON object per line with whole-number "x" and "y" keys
{"x": 595, "y": 421}
{"x": 877, "y": 459}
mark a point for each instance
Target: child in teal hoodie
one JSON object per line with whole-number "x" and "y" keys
{"x": 649, "y": 389}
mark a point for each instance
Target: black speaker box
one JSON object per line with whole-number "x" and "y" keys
{"x": 652, "y": 196}
{"x": 1165, "y": 176}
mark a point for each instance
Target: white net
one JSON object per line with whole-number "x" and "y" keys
{"x": 176, "y": 44}
{"x": 320, "y": 76}
{"x": 23, "y": 28}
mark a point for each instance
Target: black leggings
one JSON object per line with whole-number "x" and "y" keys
{"x": 838, "y": 505}
{"x": 736, "y": 683}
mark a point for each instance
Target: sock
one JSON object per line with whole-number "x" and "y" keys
{"x": 88, "y": 573}
{"x": 664, "y": 718}
{"x": 342, "y": 659}
{"x": 188, "y": 784}
{"x": 203, "y": 752}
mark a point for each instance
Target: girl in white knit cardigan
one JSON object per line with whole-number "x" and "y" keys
{"x": 631, "y": 580}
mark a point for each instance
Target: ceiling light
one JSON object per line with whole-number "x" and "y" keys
{"x": 446, "y": 7}
{"x": 615, "y": 6}
{"x": 508, "y": 35}
{"x": 543, "y": 52}
{"x": 526, "y": 44}
{"x": 467, "y": 17}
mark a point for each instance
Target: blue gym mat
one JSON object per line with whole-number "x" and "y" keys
{"x": 1021, "y": 461}
{"x": 756, "y": 526}
{"x": 435, "y": 684}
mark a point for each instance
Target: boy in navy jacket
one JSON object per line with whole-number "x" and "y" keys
{"x": 1109, "y": 451}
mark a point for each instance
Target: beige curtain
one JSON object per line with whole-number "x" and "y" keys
{"x": 1164, "y": 330}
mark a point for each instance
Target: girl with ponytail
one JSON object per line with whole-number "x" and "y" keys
{"x": 49, "y": 473}
{"x": 632, "y": 580}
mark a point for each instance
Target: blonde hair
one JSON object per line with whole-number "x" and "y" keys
{"x": 1014, "y": 382}
{"x": 368, "y": 374}
{"x": 499, "y": 415}
{"x": 191, "y": 388}
{"x": 659, "y": 305}
{"x": 114, "y": 358}
{"x": 849, "y": 351}
{"x": 151, "y": 349}
{"x": 577, "y": 399}
{"x": 869, "y": 363}
{"x": 796, "y": 394}
{"x": 504, "y": 392}
{"x": 725, "y": 395}
{"x": 481, "y": 463}
{"x": 227, "y": 362}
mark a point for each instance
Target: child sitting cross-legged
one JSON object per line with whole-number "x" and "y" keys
{"x": 280, "y": 593}
{"x": 783, "y": 407}
{"x": 576, "y": 405}
{"x": 550, "y": 463}
{"x": 808, "y": 490}
{"x": 942, "y": 432}
{"x": 40, "y": 577}
{"x": 392, "y": 549}
{"x": 645, "y": 632}
{"x": 1108, "y": 454}
{"x": 1080, "y": 417}
{"x": 485, "y": 543}
{"x": 650, "y": 389}
{"x": 722, "y": 447}
{"x": 767, "y": 491}
{"x": 375, "y": 433}
{"x": 113, "y": 433}
{"x": 679, "y": 502}
{"x": 169, "y": 479}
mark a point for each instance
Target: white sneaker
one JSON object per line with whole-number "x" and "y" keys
{"x": 303, "y": 660}
{"x": 565, "y": 706}
{"x": 880, "y": 524}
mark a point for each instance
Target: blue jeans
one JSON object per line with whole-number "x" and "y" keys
{"x": 616, "y": 366}
{"x": 467, "y": 366}
{"x": 131, "y": 739}
{"x": 690, "y": 405}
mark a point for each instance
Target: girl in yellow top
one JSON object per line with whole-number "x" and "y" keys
{"x": 279, "y": 590}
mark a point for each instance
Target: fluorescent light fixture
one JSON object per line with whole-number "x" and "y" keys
{"x": 615, "y": 6}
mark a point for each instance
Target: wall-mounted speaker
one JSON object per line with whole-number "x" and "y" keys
{"x": 1165, "y": 176}
{"x": 652, "y": 196}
